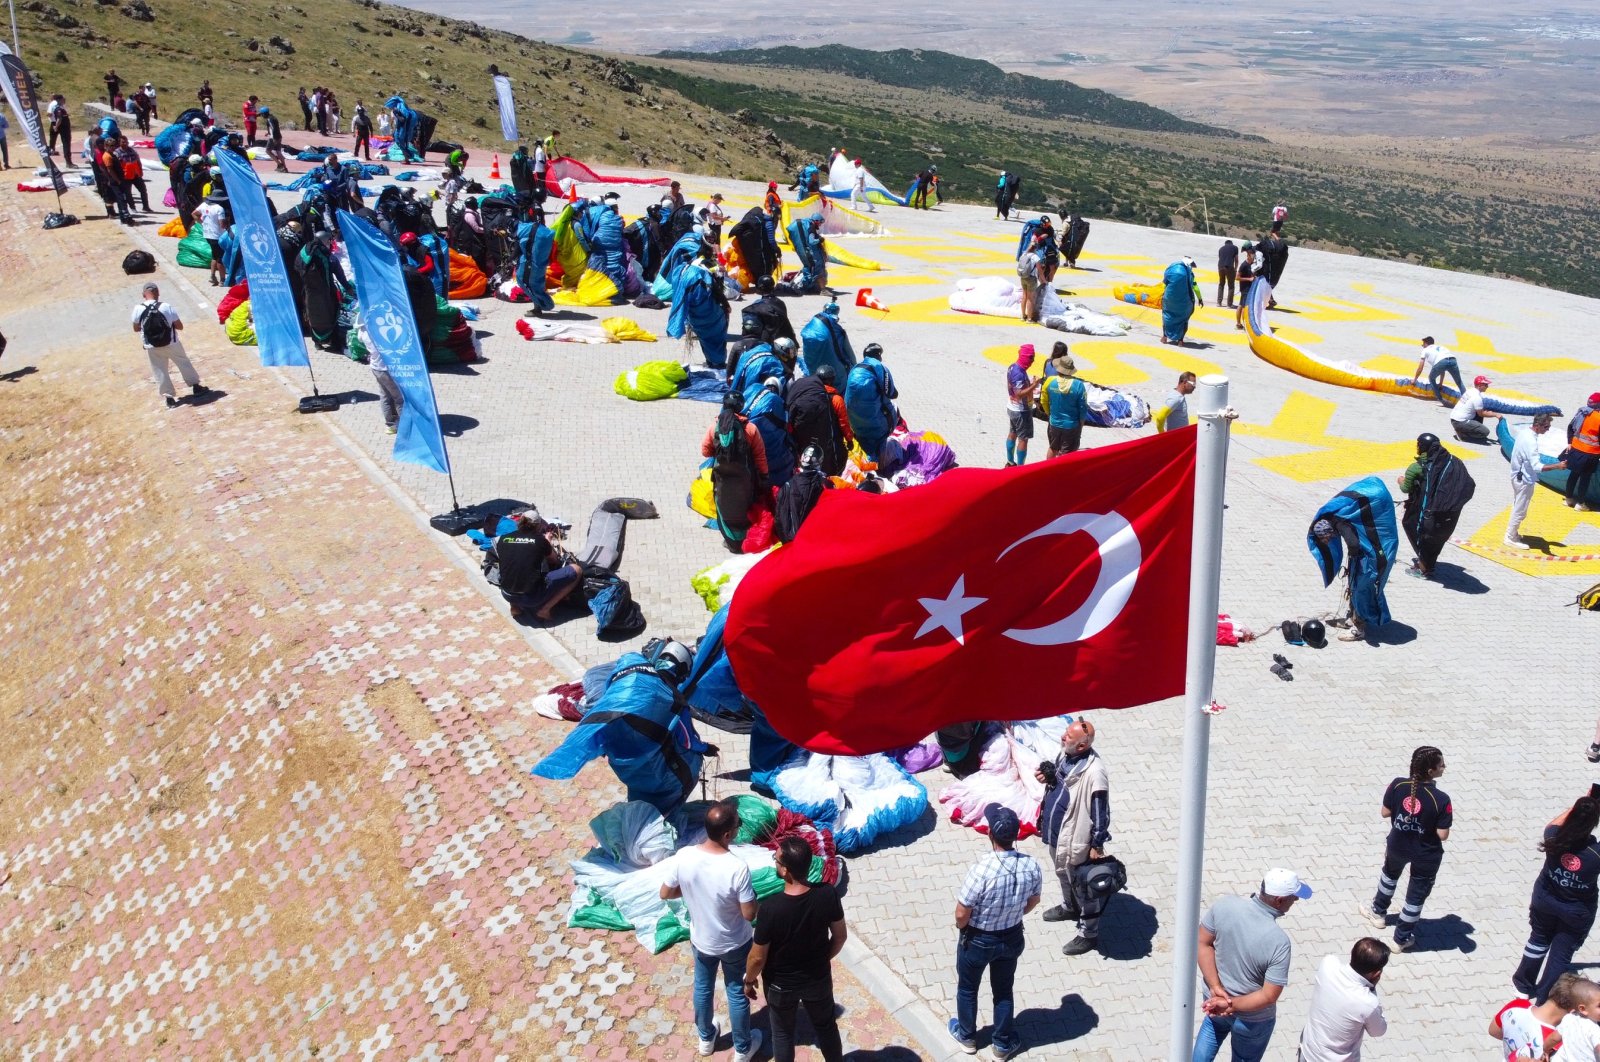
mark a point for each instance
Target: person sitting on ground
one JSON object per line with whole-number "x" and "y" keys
{"x": 532, "y": 577}
{"x": 739, "y": 469}
{"x": 1436, "y": 361}
{"x": 1467, "y": 418}
{"x": 819, "y": 421}
{"x": 770, "y": 311}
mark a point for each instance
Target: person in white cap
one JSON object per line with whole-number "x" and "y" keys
{"x": 1244, "y": 961}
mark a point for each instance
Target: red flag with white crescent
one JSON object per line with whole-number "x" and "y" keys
{"x": 987, "y": 594}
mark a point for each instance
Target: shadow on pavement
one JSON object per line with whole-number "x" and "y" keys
{"x": 1450, "y": 933}
{"x": 355, "y": 398}
{"x": 923, "y": 826}
{"x": 456, "y": 425}
{"x": 1128, "y": 928}
{"x": 458, "y": 369}
{"x": 1393, "y": 633}
{"x": 1455, "y": 577}
{"x": 16, "y": 374}
{"x": 213, "y": 395}
{"x": 1041, "y": 1028}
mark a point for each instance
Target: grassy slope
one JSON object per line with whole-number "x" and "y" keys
{"x": 944, "y": 73}
{"x": 1540, "y": 234}
{"x": 365, "y": 50}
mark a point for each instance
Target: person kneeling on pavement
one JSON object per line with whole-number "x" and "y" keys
{"x": 532, "y": 577}
{"x": 1075, "y": 822}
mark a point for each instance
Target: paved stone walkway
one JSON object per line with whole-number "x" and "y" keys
{"x": 267, "y": 746}
{"x": 1486, "y": 663}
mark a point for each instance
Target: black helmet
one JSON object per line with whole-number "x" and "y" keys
{"x": 1314, "y": 633}
{"x": 826, "y": 374}
{"x": 764, "y": 285}
{"x": 1427, "y": 442}
{"x": 872, "y": 350}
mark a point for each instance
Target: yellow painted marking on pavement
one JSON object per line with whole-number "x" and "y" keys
{"x": 1369, "y": 290}
{"x": 1102, "y": 360}
{"x": 1554, "y": 530}
{"x": 1304, "y": 419}
{"x": 1479, "y": 353}
{"x": 1328, "y": 308}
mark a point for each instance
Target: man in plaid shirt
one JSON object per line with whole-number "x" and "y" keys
{"x": 1000, "y": 889}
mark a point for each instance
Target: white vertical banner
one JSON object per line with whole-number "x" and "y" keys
{"x": 508, "y": 108}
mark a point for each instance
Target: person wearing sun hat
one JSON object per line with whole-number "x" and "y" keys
{"x": 1065, "y": 402}
{"x": 1244, "y": 961}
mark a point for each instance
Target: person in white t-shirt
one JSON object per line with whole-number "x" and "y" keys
{"x": 858, "y": 187}
{"x": 213, "y": 219}
{"x": 162, "y": 346}
{"x": 1580, "y": 1035}
{"x": 1469, "y": 415}
{"x": 1345, "y": 1006}
{"x": 714, "y": 884}
{"x": 1436, "y": 361}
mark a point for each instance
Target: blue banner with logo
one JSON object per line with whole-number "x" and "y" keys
{"x": 277, "y": 322}
{"x": 386, "y": 315}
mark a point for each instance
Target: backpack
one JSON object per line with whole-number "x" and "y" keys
{"x": 1027, "y": 262}
{"x": 732, "y": 449}
{"x": 1589, "y": 600}
{"x": 154, "y": 326}
{"x": 139, "y": 262}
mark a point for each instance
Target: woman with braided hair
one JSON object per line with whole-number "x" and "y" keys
{"x": 1419, "y": 815}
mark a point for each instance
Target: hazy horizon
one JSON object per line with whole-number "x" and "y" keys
{"x": 1466, "y": 68}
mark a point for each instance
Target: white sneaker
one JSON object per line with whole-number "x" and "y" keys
{"x": 1517, "y": 543}
{"x": 755, "y": 1047}
{"x": 1376, "y": 920}
{"x": 1582, "y": 508}
{"x": 707, "y": 1048}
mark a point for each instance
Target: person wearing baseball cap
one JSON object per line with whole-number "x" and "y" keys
{"x": 1000, "y": 889}
{"x": 1020, "y": 389}
{"x": 1469, "y": 415}
{"x": 1244, "y": 960}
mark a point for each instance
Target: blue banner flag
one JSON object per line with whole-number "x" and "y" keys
{"x": 388, "y": 320}
{"x": 272, "y": 304}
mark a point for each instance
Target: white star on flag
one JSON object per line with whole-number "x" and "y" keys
{"x": 946, "y": 612}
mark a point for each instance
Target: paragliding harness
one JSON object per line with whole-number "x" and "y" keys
{"x": 1589, "y": 600}
{"x": 662, "y": 736}
{"x": 731, "y": 446}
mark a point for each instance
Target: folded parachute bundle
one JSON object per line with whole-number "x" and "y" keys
{"x": 1005, "y": 774}
{"x": 1110, "y": 408}
{"x": 923, "y": 458}
{"x": 467, "y": 281}
{"x": 236, "y": 294}
{"x": 241, "y": 327}
{"x": 716, "y": 584}
{"x": 1139, "y": 294}
{"x": 861, "y": 798}
{"x": 651, "y": 381}
{"x": 194, "y": 251}
{"x": 173, "y": 227}
{"x": 593, "y": 289}
{"x": 1002, "y": 297}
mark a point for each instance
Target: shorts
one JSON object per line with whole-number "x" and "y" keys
{"x": 1029, "y": 282}
{"x": 216, "y": 251}
{"x": 1021, "y": 423}
{"x": 1065, "y": 440}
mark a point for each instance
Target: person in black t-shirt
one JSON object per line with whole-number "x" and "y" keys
{"x": 1562, "y": 910}
{"x": 531, "y": 575}
{"x": 1419, "y": 815}
{"x": 798, "y": 932}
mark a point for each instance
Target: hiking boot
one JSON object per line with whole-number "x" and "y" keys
{"x": 756, "y": 1037}
{"x": 707, "y": 1048}
{"x": 1377, "y": 919}
{"x": 970, "y": 1046}
{"x": 1059, "y": 913}
{"x": 200, "y": 389}
{"x": 172, "y": 403}
{"x": 1080, "y": 945}
{"x": 1593, "y": 753}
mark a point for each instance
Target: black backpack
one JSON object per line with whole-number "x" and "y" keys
{"x": 154, "y": 326}
{"x": 139, "y": 262}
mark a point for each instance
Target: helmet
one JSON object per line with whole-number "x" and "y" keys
{"x": 826, "y": 374}
{"x": 264, "y": 110}
{"x": 1190, "y": 262}
{"x": 765, "y": 285}
{"x": 1314, "y": 633}
{"x": 1426, "y": 442}
{"x": 675, "y": 659}
{"x": 750, "y": 326}
{"x": 407, "y": 239}
{"x": 772, "y": 383}
{"x": 872, "y": 350}
{"x": 783, "y": 346}
{"x": 810, "y": 458}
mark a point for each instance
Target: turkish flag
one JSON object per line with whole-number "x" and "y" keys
{"x": 999, "y": 594}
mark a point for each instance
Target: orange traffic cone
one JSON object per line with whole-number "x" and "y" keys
{"x": 494, "y": 171}
{"x": 864, "y": 297}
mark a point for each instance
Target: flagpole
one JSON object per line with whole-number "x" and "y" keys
{"x": 1210, "y": 403}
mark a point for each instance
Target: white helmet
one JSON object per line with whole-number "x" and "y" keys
{"x": 675, "y": 658}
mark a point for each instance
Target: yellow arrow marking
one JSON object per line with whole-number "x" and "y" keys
{"x": 1102, "y": 360}
{"x": 1305, "y": 419}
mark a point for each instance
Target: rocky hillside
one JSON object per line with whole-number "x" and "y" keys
{"x": 365, "y": 50}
